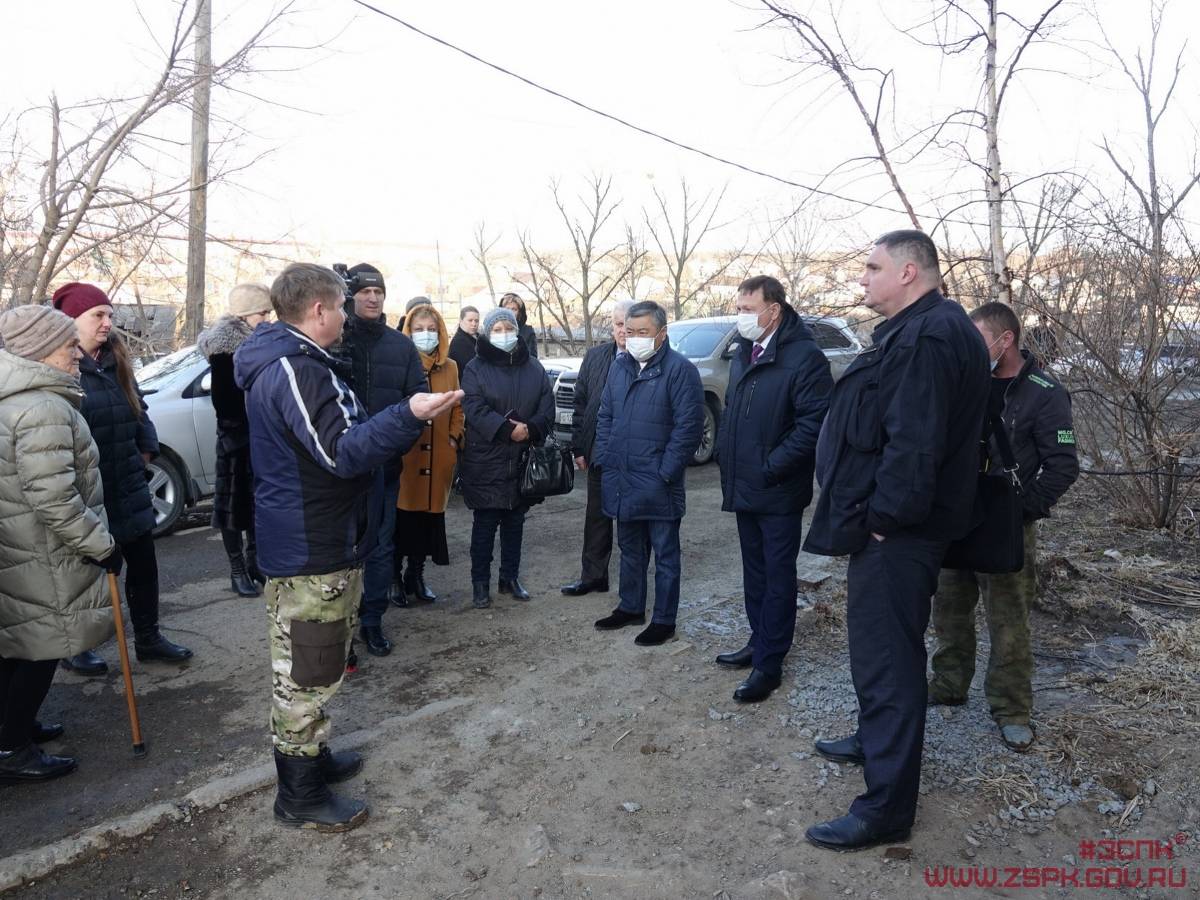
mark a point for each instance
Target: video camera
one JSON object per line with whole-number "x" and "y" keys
{"x": 343, "y": 272}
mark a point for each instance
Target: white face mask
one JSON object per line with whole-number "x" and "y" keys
{"x": 504, "y": 340}
{"x": 748, "y": 327}
{"x": 426, "y": 341}
{"x": 640, "y": 348}
{"x": 993, "y": 362}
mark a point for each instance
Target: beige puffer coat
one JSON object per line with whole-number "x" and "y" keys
{"x": 53, "y": 604}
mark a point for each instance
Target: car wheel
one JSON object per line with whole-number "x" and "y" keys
{"x": 708, "y": 440}
{"x": 167, "y": 493}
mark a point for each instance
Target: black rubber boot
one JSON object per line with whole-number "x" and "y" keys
{"x": 240, "y": 581}
{"x": 340, "y": 766}
{"x": 479, "y": 595}
{"x": 305, "y": 801}
{"x": 414, "y": 581}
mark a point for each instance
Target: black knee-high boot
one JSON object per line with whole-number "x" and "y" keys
{"x": 240, "y": 581}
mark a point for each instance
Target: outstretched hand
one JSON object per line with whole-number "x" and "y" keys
{"x": 430, "y": 406}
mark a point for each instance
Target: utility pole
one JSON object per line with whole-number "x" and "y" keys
{"x": 198, "y": 200}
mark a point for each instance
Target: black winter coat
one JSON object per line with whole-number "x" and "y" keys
{"x": 647, "y": 432}
{"x": 1037, "y": 416}
{"x": 899, "y": 451}
{"x": 233, "y": 500}
{"x": 122, "y": 437}
{"x": 498, "y": 386}
{"x": 767, "y": 442}
{"x": 462, "y": 349}
{"x": 589, "y": 390}
{"x": 385, "y": 364}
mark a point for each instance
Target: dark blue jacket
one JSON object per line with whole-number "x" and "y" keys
{"x": 498, "y": 386}
{"x": 313, "y": 452}
{"x": 767, "y": 442}
{"x": 649, "y": 427}
{"x": 122, "y": 437}
{"x": 899, "y": 451}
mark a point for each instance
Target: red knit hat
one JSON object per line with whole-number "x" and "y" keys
{"x": 77, "y": 298}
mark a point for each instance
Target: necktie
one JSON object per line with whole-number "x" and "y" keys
{"x": 755, "y": 353}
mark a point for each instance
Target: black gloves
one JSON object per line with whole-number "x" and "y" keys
{"x": 111, "y": 563}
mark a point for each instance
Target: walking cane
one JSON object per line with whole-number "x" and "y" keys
{"x": 139, "y": 746}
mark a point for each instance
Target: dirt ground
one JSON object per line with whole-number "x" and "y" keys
{"x": 556, "y": 761}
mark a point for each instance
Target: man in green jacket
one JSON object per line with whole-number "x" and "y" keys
{"x": 1036, "y": 412}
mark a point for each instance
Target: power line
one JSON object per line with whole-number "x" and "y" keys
{"x": 638, "y": 128}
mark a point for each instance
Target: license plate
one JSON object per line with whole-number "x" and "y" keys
{"x": 565, "y": 416}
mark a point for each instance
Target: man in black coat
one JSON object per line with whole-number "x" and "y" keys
{"x": 462, "y": 345}
{"x": 589, "y": 389}
{"x": 386, "y": 368}
{"x": 778, "y": 394}
{"x": 897, "y": 461}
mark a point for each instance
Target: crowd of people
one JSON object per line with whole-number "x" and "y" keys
{"x": 340, "y": 437}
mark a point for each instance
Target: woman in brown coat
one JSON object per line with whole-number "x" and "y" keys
{"x": 429, "y": 466}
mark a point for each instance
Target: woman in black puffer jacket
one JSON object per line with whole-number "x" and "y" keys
{"x": 233, "y": 500}
{"x": 508, "y": 404}
{"x": 127, "y": 441}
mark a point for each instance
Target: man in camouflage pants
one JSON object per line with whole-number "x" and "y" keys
{"x": 1036, "y": 412}
{"x": 315, "y": 454}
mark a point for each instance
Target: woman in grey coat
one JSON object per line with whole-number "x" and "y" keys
{"x": 54, "y": 538}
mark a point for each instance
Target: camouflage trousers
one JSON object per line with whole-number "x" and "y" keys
{"x": 312, "y": 618}
{"x": 1006, "y": 601}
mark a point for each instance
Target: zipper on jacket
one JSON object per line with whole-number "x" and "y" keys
{"x": 750, "y": 397}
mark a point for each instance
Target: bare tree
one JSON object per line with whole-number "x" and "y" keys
{"x": 97, "y": 188}
{"x": 1120, "y": 287}
{"x": 678, "y": 234}
{"x": 578, "y": 289}
{"x": 636, "y": 260}
{"x": 480, "y": 251}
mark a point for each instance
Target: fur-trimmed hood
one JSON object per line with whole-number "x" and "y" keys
{"x": 223, "y": 336}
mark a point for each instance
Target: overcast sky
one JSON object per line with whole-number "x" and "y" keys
{"x": 385, "y": 135}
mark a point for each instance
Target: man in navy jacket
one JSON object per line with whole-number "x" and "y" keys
{"x": 897, "y": 461}
{"x": 386, "y": 368}
{"x": 650, "y": 424}
{"x": 779, "y": 384}
{"x": 313, "y": 452}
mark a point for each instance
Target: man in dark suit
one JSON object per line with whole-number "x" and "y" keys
{"x": 589, "y": 388}
{"x": 779, "y": 384}
{"x": 897, "y": 461}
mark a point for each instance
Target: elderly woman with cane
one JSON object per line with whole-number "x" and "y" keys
{"x": 54, "y": 540}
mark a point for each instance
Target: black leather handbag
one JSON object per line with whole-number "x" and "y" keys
{"x": 996, "y": 543}
{"x": 547, "y": 471}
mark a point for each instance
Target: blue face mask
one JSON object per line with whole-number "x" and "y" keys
{"x": 504, "y": 340}
{"x": 426, "y": 341}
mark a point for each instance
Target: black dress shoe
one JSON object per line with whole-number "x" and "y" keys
{"x": 340, "y": 766}
{"x": 738, "y": 659}
{"x": 372, "y": 636}
{"x": 851, "y": 833}
{"x": 656, "y": 633}
{"x": 581, "y": 587}
{"x": 513, "y": 587}
{"x": 31, "y": 764}
{"x": 619, "y": 619}
{"x": 154, "y": 646}
{"x": 759, "y": 686}
{"x": 85, "y": 663}
{"x": 42, "y": 734}
{"x": 846, "y": 750}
